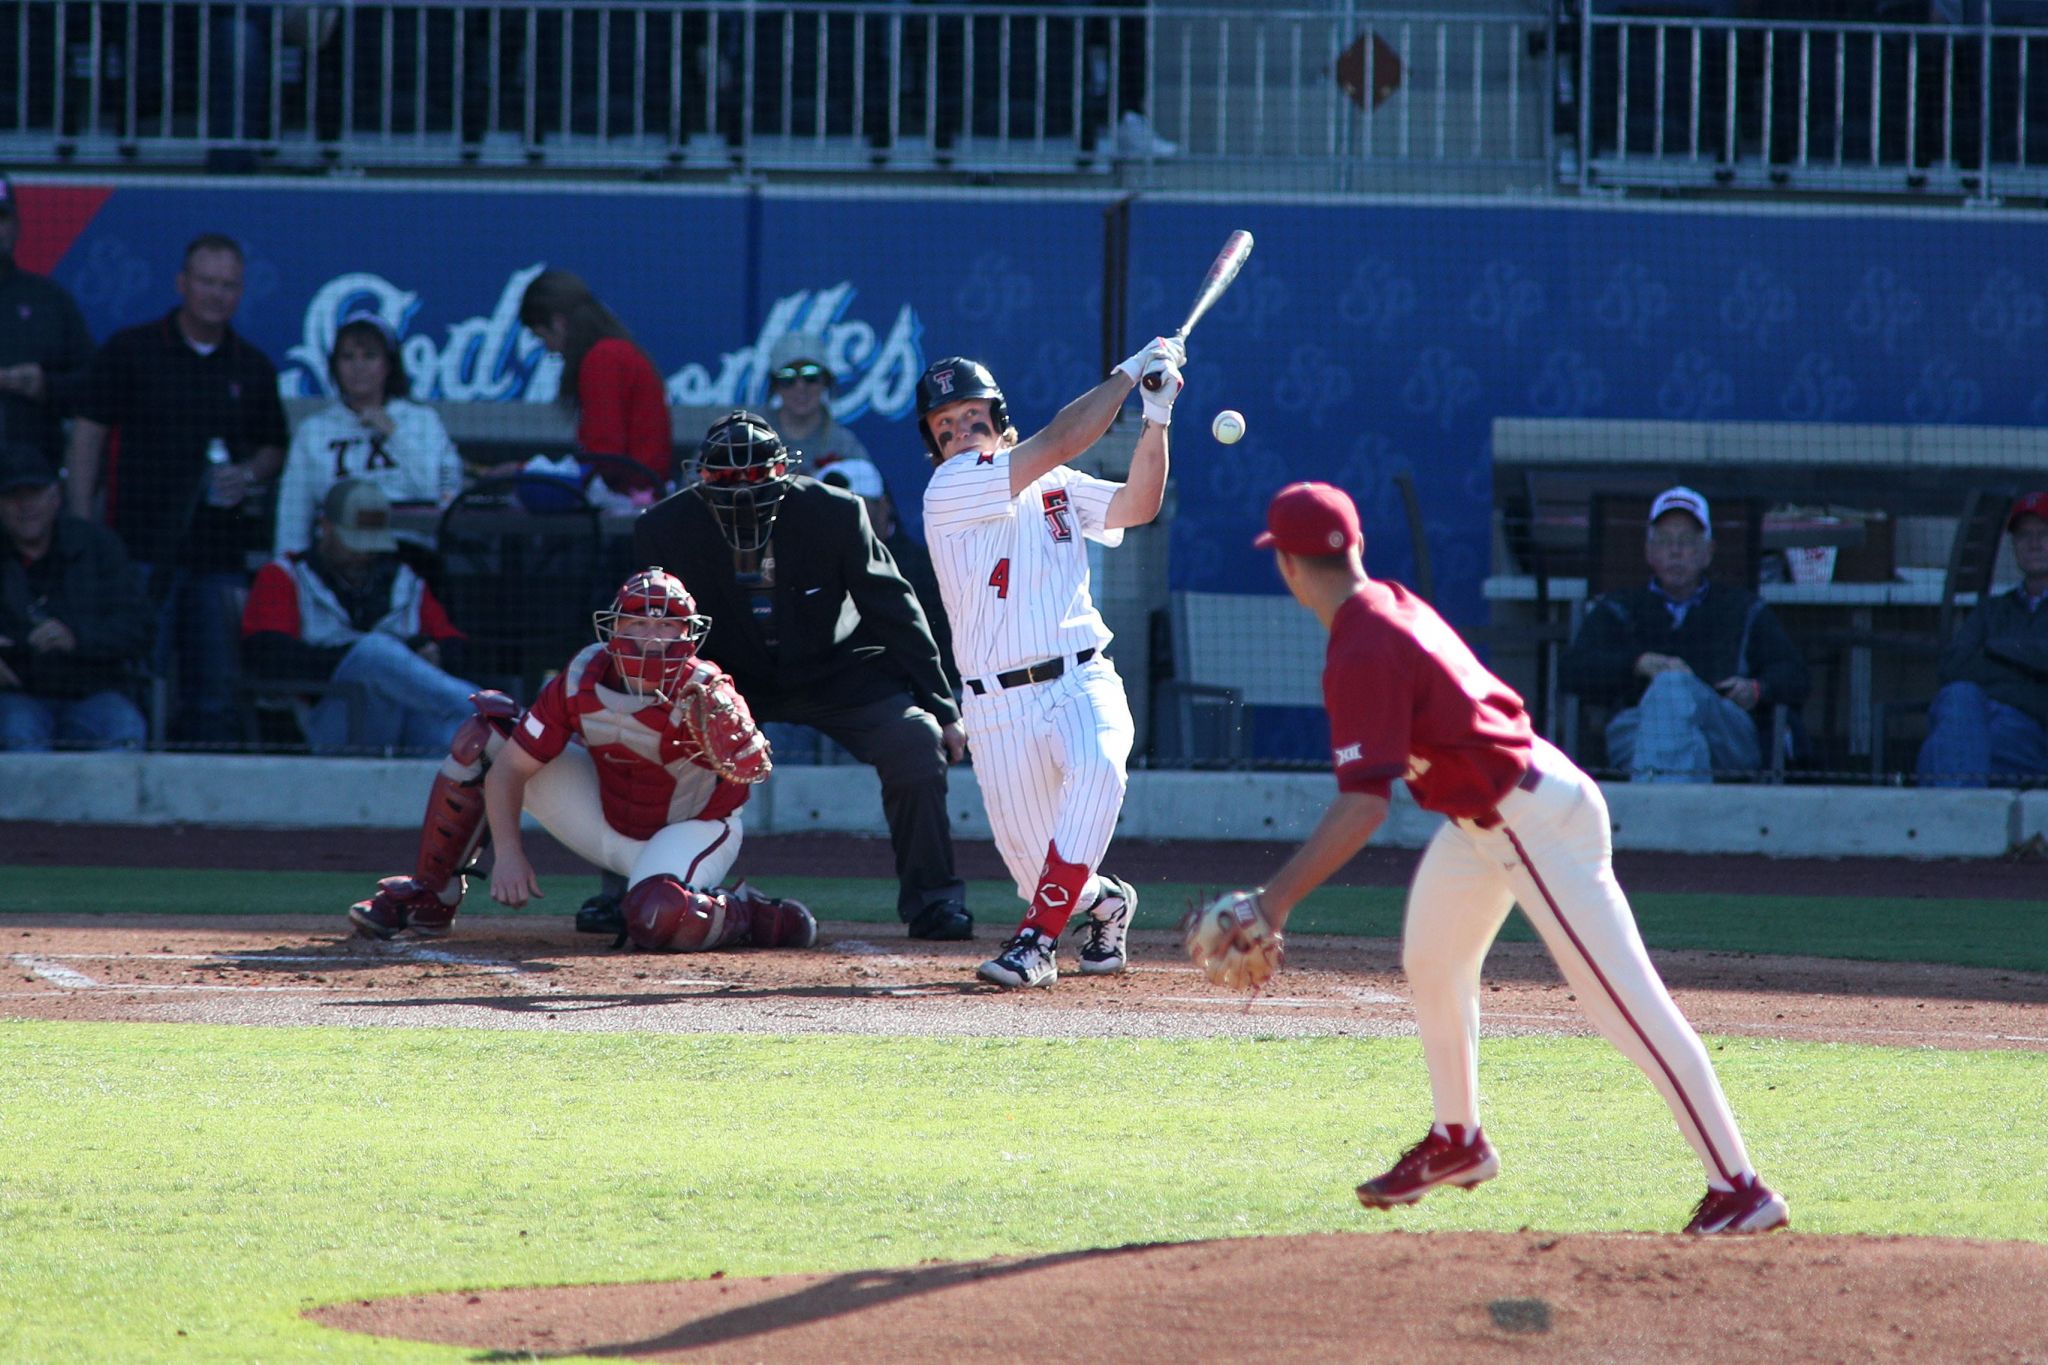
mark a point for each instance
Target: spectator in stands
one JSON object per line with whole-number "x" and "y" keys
{"x": 1990, "y": 718}
{"x": 351, "y": 612}
{"x": 73, "y": 621}
{"x": 171, "y": 388}
{"x": 373, "y": 431}
{"x": 620, "y": 402}
{"x": 817, "y": 627}
{"x": 860, "y": 477}
{"x": 1694, "y": 666}
{"x": 800, "y": 389}
{"x": 44, "y": 346}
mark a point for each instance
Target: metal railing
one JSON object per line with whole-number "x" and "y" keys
{"x": 767, "y": 86}
{"x": 1845, "y": 107}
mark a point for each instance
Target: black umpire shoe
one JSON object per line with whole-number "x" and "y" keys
{"x": 601, "y": 914}
{"x": 943, "y": 922}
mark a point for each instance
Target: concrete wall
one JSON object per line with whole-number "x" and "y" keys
{"x": 388, "y": 793}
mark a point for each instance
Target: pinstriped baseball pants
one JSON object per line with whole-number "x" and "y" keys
{"x": 1050, "y": 760}
{"x": 1552, "y": 854}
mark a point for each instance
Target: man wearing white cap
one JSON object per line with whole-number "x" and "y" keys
{"x": 1691, "y": 664}
{"x": 350, "y": 611}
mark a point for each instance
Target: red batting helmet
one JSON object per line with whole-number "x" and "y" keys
{"x": 650, "y": 666}
{"x": 953, "y": 380}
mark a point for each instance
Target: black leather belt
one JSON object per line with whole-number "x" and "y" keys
{"x": 1529, "y": 781}
{"x": 1043, "y": 671}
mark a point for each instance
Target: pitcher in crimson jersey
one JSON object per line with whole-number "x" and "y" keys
{"x": 607, "y": 761}
{"x": 1408, "y": 700}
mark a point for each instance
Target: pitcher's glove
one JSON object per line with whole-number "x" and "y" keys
{"x": 728, "y": 742}
{"x": 1229, "y": 939}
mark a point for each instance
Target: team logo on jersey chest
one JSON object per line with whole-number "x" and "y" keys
{"x": 1057, "y": 518}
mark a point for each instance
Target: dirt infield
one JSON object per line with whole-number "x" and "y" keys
{"x": 1463, "y": 1296}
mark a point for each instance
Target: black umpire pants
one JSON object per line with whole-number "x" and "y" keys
{"x": 900, "y": 741}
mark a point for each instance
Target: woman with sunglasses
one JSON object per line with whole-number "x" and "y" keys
{"x": 800, "y": 383}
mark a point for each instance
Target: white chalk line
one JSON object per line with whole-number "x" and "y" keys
{"x": 189, "y": 957}
{"x": 420, "y": 953}
{"x": 50, "y": 968}
{"x": 54, "y": 972}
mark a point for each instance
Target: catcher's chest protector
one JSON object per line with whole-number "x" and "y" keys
{"x": 647, "y": 774}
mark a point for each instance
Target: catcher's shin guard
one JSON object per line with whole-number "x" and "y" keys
{"x": 664, "y": 916}
{"x": 776, "y": 923}
{"x": 426, "y": 901}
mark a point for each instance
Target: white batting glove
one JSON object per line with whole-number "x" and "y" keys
{"x": 1159, "y": 404}
{"x": 1156, "y": 348}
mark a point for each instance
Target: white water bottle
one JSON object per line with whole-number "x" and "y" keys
{"x": 217, "y": 457}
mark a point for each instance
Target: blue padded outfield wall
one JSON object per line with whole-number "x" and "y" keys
{"x": 1365, "y": 338}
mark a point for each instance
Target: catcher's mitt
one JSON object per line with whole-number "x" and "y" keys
{"x": 1229, "y": 939}
{"x": 728, "y": 742}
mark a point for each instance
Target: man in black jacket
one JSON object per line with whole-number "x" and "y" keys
{"x": 1989, "y": 721}
{"x": 1694, "y": 665}
{"x": 44, "y": 344}
{"x": 73, "y": 619}
{"x": 813, "y": 620}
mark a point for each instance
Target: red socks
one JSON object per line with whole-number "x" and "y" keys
{"x": 1061, "y": 885}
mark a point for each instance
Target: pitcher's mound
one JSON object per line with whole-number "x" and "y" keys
{"x": 1392, "y": 1296}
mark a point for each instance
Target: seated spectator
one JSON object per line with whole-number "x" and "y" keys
{"x": 1990, "y": 718}
{"x": 350, "y": 612}
{"x": 1694, "y": 666}
{"x": 859, "y": 476}
{"x": 73, "y": 618}
{"x": 800, "y": 387}
{"x": 620, "y": 402}
{"x": 373, "y": 431}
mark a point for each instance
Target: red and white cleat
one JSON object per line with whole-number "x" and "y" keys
{"x": 1432, "y": 1162}
{"x": 1751, "y": 1206}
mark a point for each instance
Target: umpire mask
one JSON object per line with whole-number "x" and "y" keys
{"x": 743, "y": 474}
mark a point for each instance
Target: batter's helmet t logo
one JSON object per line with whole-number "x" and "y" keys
{"x": 943, "y": 380}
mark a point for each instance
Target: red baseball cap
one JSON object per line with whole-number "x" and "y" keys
{"x": 1311, "y": 519}
{"x": 2029, "y": 505}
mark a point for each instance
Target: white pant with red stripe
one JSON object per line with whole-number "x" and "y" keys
{"x": 1049, "y": 758}
{"x": 563, "y": 797}
{"x": 1552, "y": 855}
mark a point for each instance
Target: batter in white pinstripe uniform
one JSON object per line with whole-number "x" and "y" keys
{"x": 1008, "y": 523}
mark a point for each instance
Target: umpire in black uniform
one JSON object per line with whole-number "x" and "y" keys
{"x": 813, "y": 620}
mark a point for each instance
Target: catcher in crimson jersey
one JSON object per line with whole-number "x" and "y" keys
{"x": 1408, "y": 700}
{"x": 1046, "y": 710}
{"x": 638, "y": 756}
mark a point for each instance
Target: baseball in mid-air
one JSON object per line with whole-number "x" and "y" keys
{"x": 1228, "y": 426}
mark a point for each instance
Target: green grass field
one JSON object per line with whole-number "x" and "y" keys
{"x": 183, "y": 1192}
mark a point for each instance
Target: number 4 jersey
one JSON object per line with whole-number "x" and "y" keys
{"x": 1014, "y": 571}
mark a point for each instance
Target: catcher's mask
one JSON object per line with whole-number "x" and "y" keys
{"x": 949, "y": 381}
{"x": 743, "y": 474}
{"x": 651, "y": 658}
